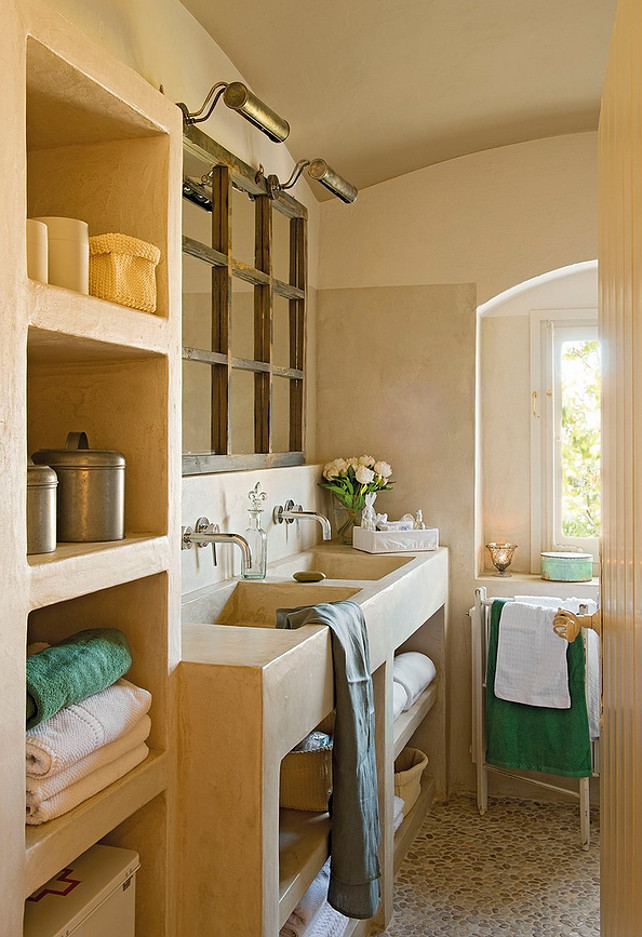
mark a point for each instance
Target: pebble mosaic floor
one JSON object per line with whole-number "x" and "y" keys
{"x": 518, "y": 871}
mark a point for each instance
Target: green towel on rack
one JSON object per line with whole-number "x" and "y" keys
{"x": 534, "y": 738}
{"x": 81, "y": 665}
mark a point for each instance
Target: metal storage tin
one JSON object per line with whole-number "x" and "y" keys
{"x": 41, "y": 508}
{"x": 91, "y": 490}
{"x": 567, "y": 567}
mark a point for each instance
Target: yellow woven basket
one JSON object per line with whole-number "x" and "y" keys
{"x": 122, "y": 269}
{"x": 409, "y": 767}
{"x": 306, "y": 780}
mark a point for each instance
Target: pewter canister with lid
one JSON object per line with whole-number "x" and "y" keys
{"x": 41, "y": 508}
{"x": 91, "y": 490}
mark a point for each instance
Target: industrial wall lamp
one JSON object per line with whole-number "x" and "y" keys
{"x": 319, "y": 170}
{"x": 238, "y": 97}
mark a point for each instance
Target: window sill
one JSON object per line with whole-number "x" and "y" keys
{"x": 532, "y": 584}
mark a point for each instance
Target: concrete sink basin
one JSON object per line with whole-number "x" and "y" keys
{"x": 342, "y": 565}
{"x": 254, "y": 604}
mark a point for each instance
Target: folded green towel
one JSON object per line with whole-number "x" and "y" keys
{"x": 535, "y": 738}
{"x": 81, "y": 665}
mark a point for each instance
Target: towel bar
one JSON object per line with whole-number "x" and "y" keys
{"x": 480, "y": 634}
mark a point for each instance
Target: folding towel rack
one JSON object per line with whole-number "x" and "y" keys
{"x": 480, "y": 634}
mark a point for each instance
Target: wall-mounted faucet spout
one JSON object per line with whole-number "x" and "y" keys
{"x": 290, "y": 512}
{"x": 205, "y": 534}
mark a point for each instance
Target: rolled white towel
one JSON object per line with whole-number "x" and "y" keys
{"x": 41, "y": 789}
{"x": 414, "y": 671}
{"x": 310, "y": 905}
{"x": 397, "y": 813}
{"x": 80, "y": 729}
{"x": 82, "y": 790}
{"x": 399, "y": 699}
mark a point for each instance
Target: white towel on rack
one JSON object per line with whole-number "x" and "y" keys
{"x": 80, "y": 729}
{"x": 40, "y": 789}
{"x": 593, "y": 662}
{"x": 531, "y": 659}
{"x": 414, "y": 671}
{"x": 82, "y": 790}
{"x": 399, "y": 699}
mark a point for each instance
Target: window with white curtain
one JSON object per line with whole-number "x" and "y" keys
{"x": 565, "y": 432}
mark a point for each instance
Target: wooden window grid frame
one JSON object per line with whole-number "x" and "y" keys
{"x": 228, "y": 171}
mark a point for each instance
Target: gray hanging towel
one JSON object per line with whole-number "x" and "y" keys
{"x": 354, "y": 865}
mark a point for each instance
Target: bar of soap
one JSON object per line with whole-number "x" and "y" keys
{"x": 309, "y": 575}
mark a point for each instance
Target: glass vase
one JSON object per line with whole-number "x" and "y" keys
{"x": 345, "y": 520}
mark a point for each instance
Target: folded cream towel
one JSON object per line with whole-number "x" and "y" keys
{"x": 399, "y": 699}
{"x": 41, "y": 789}
{"x": 531, "y": 659}
{"x": 82, "y": 790}
{"x": 77, "y": 730}
{"x": 309, "y": 906}
{"x": 594, "y": 662}
{"x": 414, "y": 671}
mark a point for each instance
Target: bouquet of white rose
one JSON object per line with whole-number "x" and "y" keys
{"x": 350, "y": 480}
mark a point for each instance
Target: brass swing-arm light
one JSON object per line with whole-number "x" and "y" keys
{"x": 319, "y": 170}
{"x": 238, "y": 97}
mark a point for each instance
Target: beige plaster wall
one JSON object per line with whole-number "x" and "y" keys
{"x": 505, "y": 403}
{"x": 396, "y": 379}
{"x": 494, "y": 218}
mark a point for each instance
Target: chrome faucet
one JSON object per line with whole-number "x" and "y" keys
{"x": 205, "y": 534}
{"x": 290, "y": 512}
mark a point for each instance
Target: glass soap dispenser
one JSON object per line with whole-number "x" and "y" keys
{"x": 256, "y": 536}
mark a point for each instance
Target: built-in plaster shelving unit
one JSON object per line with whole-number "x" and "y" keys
{"x": 103, "y": 146}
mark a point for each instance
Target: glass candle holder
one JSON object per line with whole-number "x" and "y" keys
{"x": 502, "y": 555}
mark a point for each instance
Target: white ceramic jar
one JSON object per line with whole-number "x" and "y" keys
{"x": 68, "y": 252}
{"x": 37, "y": 250}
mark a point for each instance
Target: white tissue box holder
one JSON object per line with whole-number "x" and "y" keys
{"x": 395, "y": 541}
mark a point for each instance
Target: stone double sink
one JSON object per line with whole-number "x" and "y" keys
{"x": 248, "y": 693}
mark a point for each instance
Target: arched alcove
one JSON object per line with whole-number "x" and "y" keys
{"x": 505, "y": 401}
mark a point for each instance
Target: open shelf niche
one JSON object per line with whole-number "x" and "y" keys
{"x": 139, "y": 609}
{"x": 92, "y": 156}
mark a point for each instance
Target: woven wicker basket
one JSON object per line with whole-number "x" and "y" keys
{"x": 409, "y": 767}
{"x": 306, "y": 780}
{"x": 122, "y": 269}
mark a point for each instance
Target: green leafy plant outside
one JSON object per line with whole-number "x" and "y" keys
{"x": 581, "y": 439}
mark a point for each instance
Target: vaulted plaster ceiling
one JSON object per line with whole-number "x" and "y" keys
{"x": 379, "y": 88}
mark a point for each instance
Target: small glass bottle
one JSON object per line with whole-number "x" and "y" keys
{"x": 256, "y": 536}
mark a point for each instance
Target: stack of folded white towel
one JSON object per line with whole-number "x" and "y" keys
{"x": 85, "y": 747}
{"x": 313, "y": 916}
{"x": 412, "y": 672}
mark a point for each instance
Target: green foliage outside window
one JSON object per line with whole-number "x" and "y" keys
{"x": 581, "y": 386}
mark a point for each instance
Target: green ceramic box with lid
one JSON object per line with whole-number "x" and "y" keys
{"x": 567, "y": 567}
